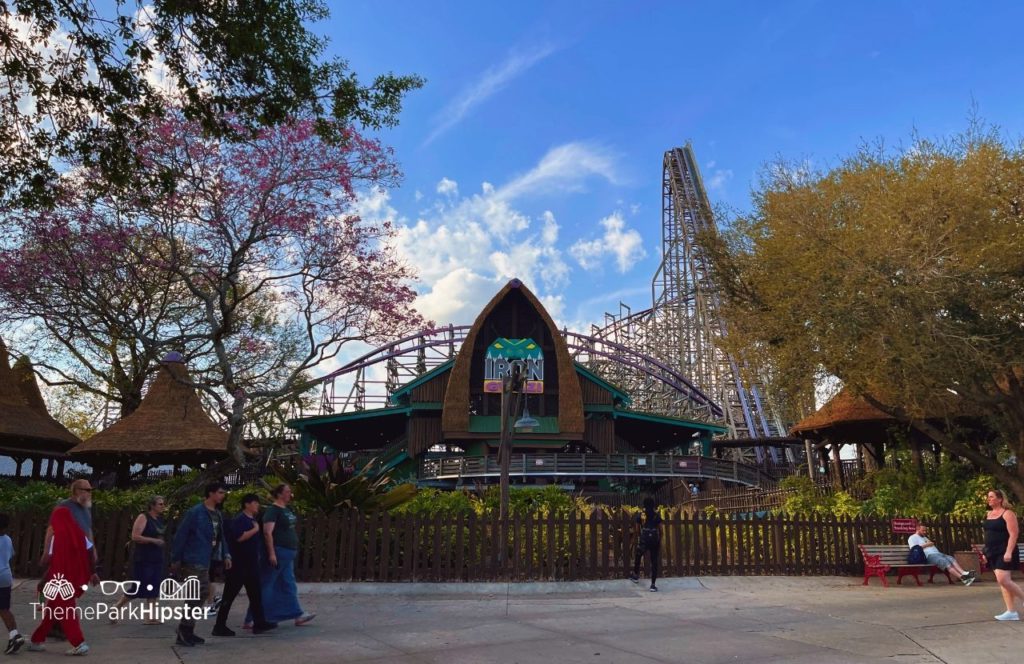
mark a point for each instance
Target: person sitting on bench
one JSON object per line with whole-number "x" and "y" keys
{"x": 935, "y": 557}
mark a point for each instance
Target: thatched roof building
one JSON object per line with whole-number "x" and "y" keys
{"x": 844, "y": 413}
{"x": 170, "y": 426}
{"x": 26, "y": 428}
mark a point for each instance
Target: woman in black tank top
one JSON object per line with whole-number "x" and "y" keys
{"x": 1001, "y": 552}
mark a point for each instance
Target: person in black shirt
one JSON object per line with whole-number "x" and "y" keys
{"x": 649, "y": 542}
{"x": 1001, "y": 553}
{"x": 243, "y": 538}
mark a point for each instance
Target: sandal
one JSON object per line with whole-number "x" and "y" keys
{"x": 304, "y": 618}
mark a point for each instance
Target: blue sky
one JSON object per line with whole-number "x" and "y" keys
{"x": 535, "y": 147}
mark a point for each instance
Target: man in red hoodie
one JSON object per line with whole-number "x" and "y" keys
{"x": 70, "y": 569}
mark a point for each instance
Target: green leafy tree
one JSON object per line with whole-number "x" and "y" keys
{"x": 82, "y": 80}
{"x": 898, "y": 272}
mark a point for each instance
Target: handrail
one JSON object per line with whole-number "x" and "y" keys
{"x": 550, "y": 464}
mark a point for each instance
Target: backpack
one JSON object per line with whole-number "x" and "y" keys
{"x": 916, "y": 556}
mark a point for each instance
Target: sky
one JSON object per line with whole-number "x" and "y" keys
{"x": 534, "y": 150}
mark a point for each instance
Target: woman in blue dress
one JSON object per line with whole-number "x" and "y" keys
{"x": 148, "y": 560}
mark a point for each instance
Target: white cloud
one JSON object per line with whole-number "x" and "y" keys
{"x": 466, "y": 247}
{"x": 447, "y": 187}
{"x": 490, "y": 82}
{"x": 624, "y": 244}
{"x": 564, "y": 168}
{"x": 719, "y": 178}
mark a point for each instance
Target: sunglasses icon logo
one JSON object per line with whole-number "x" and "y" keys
{"x": 127, "y": 587}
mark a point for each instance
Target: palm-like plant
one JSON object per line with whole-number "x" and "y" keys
{"x": 336, "y": 488}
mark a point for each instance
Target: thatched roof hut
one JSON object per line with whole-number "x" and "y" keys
{"x": 843, "y": 413}
{"x": 169, "y": 426}
{"x": 26, "y": 428}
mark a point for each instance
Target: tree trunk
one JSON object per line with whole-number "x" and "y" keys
{"x": 837, "y": 466}
{"x": 123, "y": 474}
{"x": 212, "y": 472}
{"x": 916, "y": 457}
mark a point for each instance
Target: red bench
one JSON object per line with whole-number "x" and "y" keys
{"x": 879, "y": 559}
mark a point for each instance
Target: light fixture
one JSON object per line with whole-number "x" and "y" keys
{"x": 526, "y": 424}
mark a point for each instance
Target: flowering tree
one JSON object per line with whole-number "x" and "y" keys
{"x": 271, "y": 271}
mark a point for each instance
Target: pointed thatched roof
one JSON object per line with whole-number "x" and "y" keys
{"x": 26, "y": 428}
{"x": 169, "y": 425}
{"x": 843, "y": 408}
{"x": 455, "y": 416}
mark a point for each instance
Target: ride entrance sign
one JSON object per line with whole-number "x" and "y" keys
{"x": 503, "y": 353}
{"x": 905, "y": 526}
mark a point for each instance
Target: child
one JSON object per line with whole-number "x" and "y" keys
{"x": 16, "y": 640}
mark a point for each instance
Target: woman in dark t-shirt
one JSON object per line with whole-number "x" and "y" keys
{"x": 279, "y": 590}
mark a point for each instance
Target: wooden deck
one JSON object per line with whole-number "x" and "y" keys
{"x": 661, "y": 466}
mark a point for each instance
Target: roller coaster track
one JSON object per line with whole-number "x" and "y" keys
{"x": 369, "y": 381}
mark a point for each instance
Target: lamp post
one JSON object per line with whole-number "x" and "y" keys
{"x": 511, "y": 383}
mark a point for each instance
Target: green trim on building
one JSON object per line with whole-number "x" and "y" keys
{"x": 714, "y": 429}
{"x": 603, "y": 384}
{"x": 301, "y": 424}
{"x": 492, "y": 424}
{"x": 407, "y": 389}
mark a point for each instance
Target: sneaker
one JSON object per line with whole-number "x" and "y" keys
{"x": 36, "y": 647}
{"x": 634, "y": 578}
{"x": 1008, "y": 615}
{"x": 222, "y": 630}
{"x": 215, "y": 605}
{"x": 304, "y": 618}
{"x": 654, "y": 589}
{"x": 81, "y": 649}
{"x": 14, "y": 644}
{"x": 968, "y": 579}
{"x": 181, "y": 639}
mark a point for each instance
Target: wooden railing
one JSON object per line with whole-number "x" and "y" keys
{"x": 352, "y": 546}
{"x": 597, "y": 465}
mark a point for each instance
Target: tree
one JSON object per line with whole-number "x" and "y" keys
{"x": 258, "y": 242}
{"x": 84, "y": 298}
{"x": 80, "y": 83}
{"x": 900, "y": 273}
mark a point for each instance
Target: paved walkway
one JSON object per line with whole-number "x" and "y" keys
{"x": 707, "y": 620}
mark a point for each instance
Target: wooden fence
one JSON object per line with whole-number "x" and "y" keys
{"x": 351, "y": 546}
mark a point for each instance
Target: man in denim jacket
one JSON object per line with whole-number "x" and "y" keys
{"x": 198, "y": 540}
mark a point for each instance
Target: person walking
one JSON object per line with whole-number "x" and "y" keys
{"x": 1001, "y": 553}
{"x": 280, "y": 592}
{"x": 14, "y": 638}
{"x": 70, "y": 568}
{"x": 79, "y": 503}
{"x": 649, "y": 542}
{"x": 244, "y": 541}
{"x": 148, "y": 557}
{"x": 200, "y": 533}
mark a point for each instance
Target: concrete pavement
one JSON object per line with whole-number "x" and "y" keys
{"x": 707, "y": 620}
